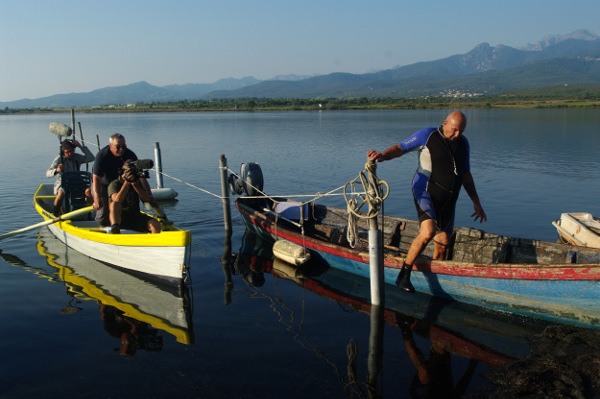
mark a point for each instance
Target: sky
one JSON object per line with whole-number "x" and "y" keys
{"x": 67, "y": 46}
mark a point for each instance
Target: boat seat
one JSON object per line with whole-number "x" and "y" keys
{"x": 291, "y": 210}
{"x": 74, "y": 185}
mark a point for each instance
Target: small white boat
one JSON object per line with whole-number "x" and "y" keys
{"x": 579, "y": 228}
{"x": 162, "y": 256}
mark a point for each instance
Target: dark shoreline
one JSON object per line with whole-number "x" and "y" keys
{"x": 255, "y": 104}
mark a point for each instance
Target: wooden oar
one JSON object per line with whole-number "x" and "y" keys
{"x": 66, "y": 216}
{"x": 162, "y": 216}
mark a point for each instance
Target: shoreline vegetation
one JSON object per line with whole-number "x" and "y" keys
{"x": 588, "y": 97}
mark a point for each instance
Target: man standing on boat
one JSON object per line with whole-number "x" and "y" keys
{"x": 443, "y": 168}
{"x": 124, "y": 195}
{"x": 107, "y": 165}
{"x": 67, "y": 161}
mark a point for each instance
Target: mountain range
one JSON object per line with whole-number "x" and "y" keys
{"x": 556, "y": 60}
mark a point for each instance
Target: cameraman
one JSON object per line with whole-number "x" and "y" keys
{"x": 124, "y": 195}
{"x": 67, "y": 161}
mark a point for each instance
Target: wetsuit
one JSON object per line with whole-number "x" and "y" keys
{"x": 438, "y": 179}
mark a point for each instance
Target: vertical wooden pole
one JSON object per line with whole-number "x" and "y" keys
{"x": 87, "y": 164}
{"x": 225, "y": 193}
{"x": 73, "y": 122}
{"x": 227, "y": 258}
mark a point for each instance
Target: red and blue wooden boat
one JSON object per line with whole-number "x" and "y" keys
{"x": 550, "y": 281}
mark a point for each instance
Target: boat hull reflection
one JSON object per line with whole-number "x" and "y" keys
{"x": 162, "y": 306}
{"x": 466, "y": 330}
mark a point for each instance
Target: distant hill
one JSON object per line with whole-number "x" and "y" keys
{"x": 131, "y": 94}
{"x": 550, "y": 40}
{"x": 573, "y": 59}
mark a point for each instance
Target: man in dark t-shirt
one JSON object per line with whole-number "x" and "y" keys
{"x": 109, "y": 161}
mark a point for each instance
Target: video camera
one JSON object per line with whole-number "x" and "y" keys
{"x": 137, "y": 168}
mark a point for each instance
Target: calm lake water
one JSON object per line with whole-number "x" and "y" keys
{"x": 256, "y": 334}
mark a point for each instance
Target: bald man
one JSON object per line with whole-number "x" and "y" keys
{"x": 443, "y": 168}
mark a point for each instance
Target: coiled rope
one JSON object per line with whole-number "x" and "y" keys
{"x": 374, "y": 195}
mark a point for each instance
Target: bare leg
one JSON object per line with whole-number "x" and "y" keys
{"x": 58, "y": 202}
{"x": 153, "y": 226}
{"x": 426, "y": 233}
{"x": 440, "y": 245}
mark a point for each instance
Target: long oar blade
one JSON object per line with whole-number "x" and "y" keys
{"x": 66, "y": 216}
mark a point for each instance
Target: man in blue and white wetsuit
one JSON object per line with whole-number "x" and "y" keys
{"x": 443, "y": 169}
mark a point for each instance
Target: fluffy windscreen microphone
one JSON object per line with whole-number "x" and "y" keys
{"x": 60, "y": 129}
{"x": 144, "y": 164}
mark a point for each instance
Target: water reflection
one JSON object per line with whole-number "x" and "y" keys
{"x": 453, "y": 330}
{"x": 133, "y": 310}
{"x": 134, "y": 334}
{"x": 253, "y": 261}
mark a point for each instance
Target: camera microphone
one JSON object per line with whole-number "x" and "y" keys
{"x": 144, "y": 164}
{"x": 60, "y": 129}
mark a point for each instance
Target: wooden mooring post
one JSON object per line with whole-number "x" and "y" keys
{"x": 227, "y": 259}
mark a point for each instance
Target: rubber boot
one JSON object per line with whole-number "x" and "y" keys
{"x": 403, "y": 280}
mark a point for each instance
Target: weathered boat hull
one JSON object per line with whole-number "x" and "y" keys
{"x": 159, "y": 256}
{"x": 546, "y": 287}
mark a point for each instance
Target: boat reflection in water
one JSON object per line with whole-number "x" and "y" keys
{"x": 452, "y": 328}
{"x": 133, "y": 310}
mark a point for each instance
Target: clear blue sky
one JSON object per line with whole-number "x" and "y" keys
{"x": 60, "y": 46}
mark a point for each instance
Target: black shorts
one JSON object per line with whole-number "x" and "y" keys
{"x": 444, "y": 215}
{"x": 137, "y": 221}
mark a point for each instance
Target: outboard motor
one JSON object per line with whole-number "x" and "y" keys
{"x": 250, "y": 180}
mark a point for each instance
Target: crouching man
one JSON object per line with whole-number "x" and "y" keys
{"x": 124, "y": 195}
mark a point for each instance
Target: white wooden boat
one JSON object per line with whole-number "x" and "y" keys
{"x": 579, "y": 228}
{"x": 161, "y": 256}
